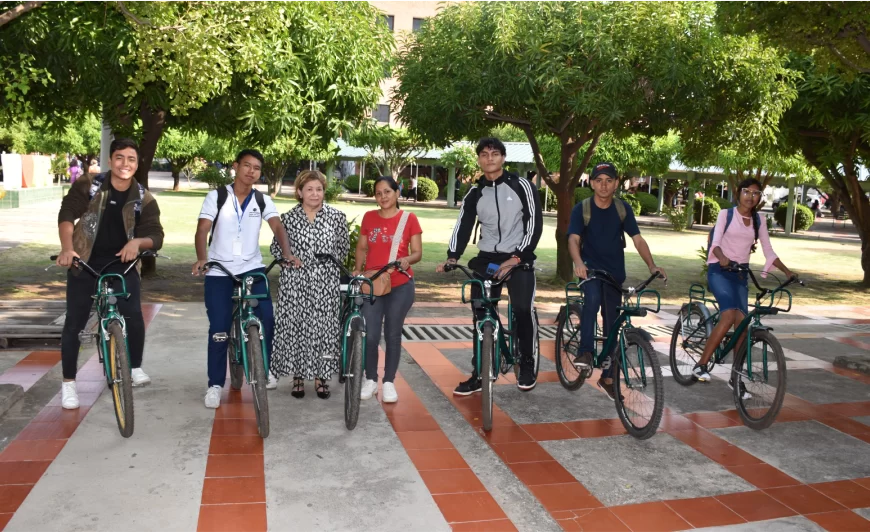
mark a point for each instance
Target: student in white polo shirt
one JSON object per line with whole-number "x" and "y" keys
{"x": 233, "y": 216}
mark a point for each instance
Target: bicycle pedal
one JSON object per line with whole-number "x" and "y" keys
{"x": 220, "y": 337}
{"x": 87, "y": 338}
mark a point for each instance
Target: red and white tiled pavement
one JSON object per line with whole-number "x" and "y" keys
{"x": 212, "y": 471}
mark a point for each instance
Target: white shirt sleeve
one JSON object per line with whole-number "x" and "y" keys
{"x": 270, "y": 211}
{"x": 209, "y": 206}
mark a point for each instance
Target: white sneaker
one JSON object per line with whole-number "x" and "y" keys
{"x": 272, "y": 383}
{"x": 390, "y": 395}
{"x": 139, "y": 377}
{"x": 701, "y": 374}
{"x": 369, "y": 388}
{"x": 69, "y": 396}
{"x": 213, "y": 397}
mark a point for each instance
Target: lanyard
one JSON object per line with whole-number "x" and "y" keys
{"x": 240, "y": 215}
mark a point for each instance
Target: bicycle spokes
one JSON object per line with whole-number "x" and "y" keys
{"x": 760, "y": 374}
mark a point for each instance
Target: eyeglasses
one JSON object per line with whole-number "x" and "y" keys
{"x": 753, "y": 193}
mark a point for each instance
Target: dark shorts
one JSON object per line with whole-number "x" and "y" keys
{"x": 731, "y": 289}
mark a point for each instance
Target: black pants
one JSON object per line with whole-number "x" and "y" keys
{"x": 521, "y": 288}
{"x": 79, "y": 289}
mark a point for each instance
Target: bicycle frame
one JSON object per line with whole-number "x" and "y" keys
{"x": 488, "y": 303}
{"x": 243, "y": 315}
{"x": 107, "y": 311}
{"x": 351, "y": 314}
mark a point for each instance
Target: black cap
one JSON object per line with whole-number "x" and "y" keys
{"x": 606, "y": 169}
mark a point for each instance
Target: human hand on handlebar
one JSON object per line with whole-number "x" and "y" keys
{"x": 291, "y": 261}
{"x": 198, "y": 267}
{"x": 130, "y": 251}
{"x": 440, "y": 267}
{"x": 505, "y": 267}
{"x": 66, "y": 257}
{"x": 404, "y": 263}
{"x": 660, "y": 271}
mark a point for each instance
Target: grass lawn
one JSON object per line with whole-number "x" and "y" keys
{"x": 831, "y": 269}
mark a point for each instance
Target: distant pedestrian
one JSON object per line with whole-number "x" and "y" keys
{"x": 74, "y": 171}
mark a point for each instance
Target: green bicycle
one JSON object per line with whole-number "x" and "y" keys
{"x": 111, "y": 337}
{"x": 246, "y": 344}
{"x": 353, "y": 332}
{"x": 498, "y": 347}
{"x": 637, "y": 374}
{"x": 758, "y": 374}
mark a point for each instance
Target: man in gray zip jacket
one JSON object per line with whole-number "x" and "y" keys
{"x": 508, "y": 210}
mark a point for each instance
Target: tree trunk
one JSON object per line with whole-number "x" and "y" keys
{"x": 153, "y": 122}
{"x": 177, "y": 166}
{"x": 564, "y": 204}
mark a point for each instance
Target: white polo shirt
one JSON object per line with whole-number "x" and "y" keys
{"x": 234, "y": 226}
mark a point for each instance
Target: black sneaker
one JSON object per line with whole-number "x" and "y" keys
{"x": 608, "y": 389}
{"x": 527, "y": 378}
{"x": 472, "y": 385}
{"x": 583, "y": 360}
{"x": 743, "y": 392}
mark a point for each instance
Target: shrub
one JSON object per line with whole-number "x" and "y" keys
{"x": 333, "y": 191}
{"x": 711, "y": 211}
{"x": 368, "y": 187}
{"x": 213, "y": 177}
{"x": 427, "y": 190}
{"x": 722, "y": 202}
{"x": 351, "y": 183}
{"x": 803, "y": 219}
{"x": 353, "y": 235}
{"x": 649, "y": 204}
{"x": 547, "y": 197}
{"x": 581, "y": 193}
{"x": 633, "y": 202}
{"x": 677, "y": 217}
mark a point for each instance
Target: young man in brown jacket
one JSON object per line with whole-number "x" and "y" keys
{"x": 117, "y": 218}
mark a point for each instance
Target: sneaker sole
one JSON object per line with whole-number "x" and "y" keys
{"x": 527, "y": 387}
{"x": 141, "y": 384}
{"x": 463, "y": 394}
{"x": 391, "y": 401}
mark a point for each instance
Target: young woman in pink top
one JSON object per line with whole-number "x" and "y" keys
{"x": 734, "y": 245}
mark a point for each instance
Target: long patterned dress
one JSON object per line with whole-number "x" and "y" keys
{"x": 306, "y": 320}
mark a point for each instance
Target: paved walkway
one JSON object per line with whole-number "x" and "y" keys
{"x": 554, "y": 460}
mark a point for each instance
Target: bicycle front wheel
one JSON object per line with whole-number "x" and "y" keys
{"x": 487, "y": 354}
{"x": 759, "y": 383}
{"x": 257, "y": 366}
{"x": 567, "y": 346}
{"x": 121, "y": 382}
{"x": 687, "y": 343}
{"x": 640, "y": 395}
{"x": 237, "y": 371}
{"x": 353, "y": 379}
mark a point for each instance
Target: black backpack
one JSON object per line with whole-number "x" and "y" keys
{"x": 756, "y": 222}
{"x": 223, "y": 194}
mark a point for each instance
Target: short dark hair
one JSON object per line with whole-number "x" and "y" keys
{"x": 388, "y": 179}
{"x": 123, "y": 144}
{"x": 491, "y": 143}
{"x": 253, "y": 153}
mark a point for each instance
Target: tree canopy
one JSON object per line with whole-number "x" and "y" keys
{"x": 391, "y": 149}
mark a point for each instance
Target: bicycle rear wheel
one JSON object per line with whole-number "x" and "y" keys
{"x": 121, "y": 382}
{"x": 257, "y": 366}
{"x": 567, "y": 346}
{"x": 640, "y": 397}
{"x": 687, "y": 342}
{"x": 353, "y": 379}
{"x": 487, "y": 356}
{"x": 766, "y": 386}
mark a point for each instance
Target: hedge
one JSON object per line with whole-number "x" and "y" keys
{"x": 427, "y": 190}
{"x": 711, "y": 211}
{"x": 649, "y": 204}
{"x": 351, "y": 183}
{"x": 581, "y": 193}
{"x": 368, "y": 187}
{"x": 724, "y": 203}
{"x": 549, "y": 198}
{"x": 633, "y": 202}
{"x": 803, "y": 220}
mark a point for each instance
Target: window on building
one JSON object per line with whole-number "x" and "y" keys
{"x": 388, "y": 20}
{"x": 418, "y": 23}
{"x": 382, "y": 113}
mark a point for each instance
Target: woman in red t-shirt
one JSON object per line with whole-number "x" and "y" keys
{"x": 373, "y": 249}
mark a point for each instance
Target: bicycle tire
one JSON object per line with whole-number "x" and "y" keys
{"x": 257, "y": 367}
{"x": 353, "y": 380}
{"x": 681, "y": 360}
{"x": 237, "y": 370}
{"x": 639, "y": 407}
{"x": 569, "y": 317}
{"x": 487, "y": 353}
{"x": 536, "y": 352}
{"x": 120, "y": 378}
{"x": 759, "y": 383}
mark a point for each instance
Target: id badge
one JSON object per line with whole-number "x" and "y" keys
{"x": 237, "y": 247}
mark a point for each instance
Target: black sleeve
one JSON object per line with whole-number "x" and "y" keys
{"x": 464, "y": 224}
{"x": 533, "y": 220}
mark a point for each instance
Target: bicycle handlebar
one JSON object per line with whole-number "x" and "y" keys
{"x": 471, "y": 274}
{"x": 81, "y": 264}
{"x": 221, "y": 267}
{"x": 395, "y": 264}
{"x": 602, "y": 275}
{"x": 736, "y": 267}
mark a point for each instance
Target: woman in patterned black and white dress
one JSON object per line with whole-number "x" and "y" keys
{"x": 306, "y": 343}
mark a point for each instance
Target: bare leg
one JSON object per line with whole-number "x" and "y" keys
{"x": 726, "y": 322}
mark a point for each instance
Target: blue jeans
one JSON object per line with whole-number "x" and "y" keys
{"x": 219, "y": 307}
{"x": 594, "y": 293}
{"x": 731, "y": 289}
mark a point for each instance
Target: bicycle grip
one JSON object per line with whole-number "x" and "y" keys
{"x": 53, "y": 257}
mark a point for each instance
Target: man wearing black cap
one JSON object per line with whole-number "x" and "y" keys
{"x": 599, "y": 223}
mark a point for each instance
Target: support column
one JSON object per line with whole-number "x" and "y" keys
{"x": 690, "y": 201}
{"x": 661, "y": 194}
{"x": 432, "y": 172}
{"x": 451, "y": 186}
{"x": 330, "y": 172}
{"x": 105, "y": 144}
{"x": 789, "y": 213}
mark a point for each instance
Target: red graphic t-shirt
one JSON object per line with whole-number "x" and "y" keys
{"x": 379, "y": 234}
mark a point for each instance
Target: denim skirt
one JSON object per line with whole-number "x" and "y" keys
{"x": 731, "y": 289}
